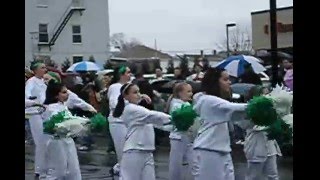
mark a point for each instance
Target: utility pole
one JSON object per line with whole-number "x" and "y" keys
{"x": 274, "y": 42}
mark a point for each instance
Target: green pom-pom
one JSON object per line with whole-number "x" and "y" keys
{"x": 183, "y": 117}
{"x": 98, "y": 122}
{"x": 261, "y": 111}
{"x": 48, "y": 126}
{"x": 280, "y": 131}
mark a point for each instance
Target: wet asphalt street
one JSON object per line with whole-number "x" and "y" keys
{"x": 96, "y": 163}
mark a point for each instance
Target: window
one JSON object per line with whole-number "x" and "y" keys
{"x": 77, "y": 59}
{"x": 76, "y": 34}
{"x": 43, "y": 33}
{"x": 42, "y": 3}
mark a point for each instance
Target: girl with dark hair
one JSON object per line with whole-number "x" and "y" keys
{"x": 61, "y": 159}
{"x": 137, "y": 161}
{"x": 212, "y": 144}
{"x": 117, "y": 128}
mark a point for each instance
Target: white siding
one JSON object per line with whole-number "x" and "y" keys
{"x": 94, "y": 23}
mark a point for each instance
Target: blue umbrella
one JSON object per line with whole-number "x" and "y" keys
{"x": 84, "y": 66}
{"x": 235, "y": 65}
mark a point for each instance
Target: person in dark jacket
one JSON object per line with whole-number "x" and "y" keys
{"x": 145, "y": 88}
{"x": 249, "y": 76}
{"x": 178, "y": 74}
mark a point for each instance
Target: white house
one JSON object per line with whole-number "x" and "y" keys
{"x": 67, "y": 29}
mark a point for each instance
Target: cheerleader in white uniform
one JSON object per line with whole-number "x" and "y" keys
{"x": 137, "y": 161}
{"x": 117, "y": 128}
{"x": 180, "y": 141}
{"x": 61, "y": 159}
{"x": 260, "y": 152}
{"x": 36, "y": 88}
{"x": 212, "y": 144}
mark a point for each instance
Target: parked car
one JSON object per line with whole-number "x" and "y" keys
{"x": 145, "y": 65}
{"x": 152, "y": 77}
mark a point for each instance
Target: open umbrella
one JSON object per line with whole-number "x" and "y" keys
{"x": 84, "y": 66}
{"x": 235, "y": 65}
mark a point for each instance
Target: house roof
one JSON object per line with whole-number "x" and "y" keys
{"x": 265, "y": 11}
{"x": 141, "y": 51}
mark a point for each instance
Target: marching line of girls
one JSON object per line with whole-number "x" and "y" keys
{"x": 131, "y": 125}
{"x": 210, "y": 155}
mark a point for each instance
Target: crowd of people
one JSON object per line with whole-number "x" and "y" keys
{"x": 203, "y": 151}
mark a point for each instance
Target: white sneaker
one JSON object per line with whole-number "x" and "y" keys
{"x": 83, "y": 148}
{"x": 116, "y": 169}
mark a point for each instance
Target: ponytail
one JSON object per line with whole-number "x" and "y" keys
{"x": 119, "y": 107}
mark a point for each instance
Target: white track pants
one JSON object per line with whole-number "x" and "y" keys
{"x": 36, "y": 128}
{"x": 62, "y": 160}
{"x": 181, "y": 157}
{"x": 267, "y": 168}
{"x": 137, "y": 165}
{"x": 213, "y": 165}
{"x": 118, "y": 133}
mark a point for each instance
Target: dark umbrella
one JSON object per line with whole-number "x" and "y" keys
{"x": 266, "y": 54}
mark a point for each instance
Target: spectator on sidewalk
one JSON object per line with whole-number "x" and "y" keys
{"x": 159, "y": 75}
{"x": 198, "y": 74}
{"x": 288, "y": 77}
{"x": 178, "y": 74}
{"x": 249, "y": 76}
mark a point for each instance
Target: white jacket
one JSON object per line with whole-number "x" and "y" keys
{"x": 37, "y": 87}
{"x": 213, "y": 134}
{"x": 140, "y": 120}
{"x": 113, "y": 94}
{"x": 28, "y": 102}
{"x": 175, "y": 104}
{"x": 174, "y": 133}
{"x": 257, "y": 147}
{"x": 53, "y": 109}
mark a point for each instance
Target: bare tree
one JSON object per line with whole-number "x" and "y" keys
{"x": 119, "y": 40}
{"x": 239, "y": 41}
{"x": 132, "y": 43}
{"x": 65, "y": 65}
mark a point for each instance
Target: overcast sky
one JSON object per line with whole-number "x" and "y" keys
{"x": 182, "y": 25}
